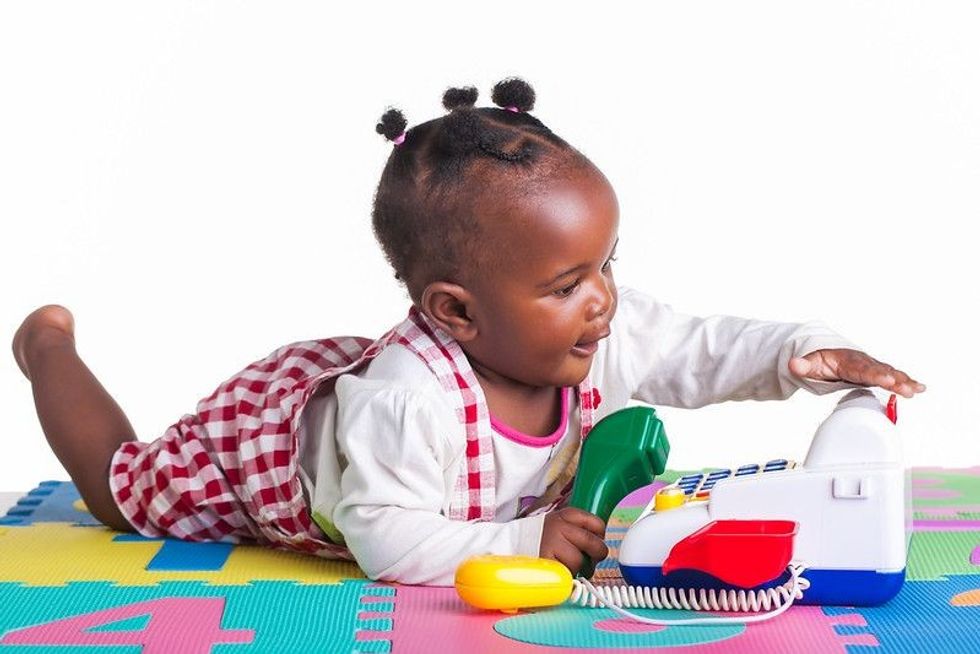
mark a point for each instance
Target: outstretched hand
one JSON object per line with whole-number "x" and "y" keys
{"x": 855, "y": 367}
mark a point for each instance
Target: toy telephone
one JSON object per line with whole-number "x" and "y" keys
{"x": 734, "y": 540}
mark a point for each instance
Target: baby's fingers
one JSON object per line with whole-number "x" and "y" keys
{"x": 875, "y": 373}
{"x": 583, "y": 519}
{"x": 899, "y": 382}
{"x": 566, "y": 554}
{"x": 586, "y": 542}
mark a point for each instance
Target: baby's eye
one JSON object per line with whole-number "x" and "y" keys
{"x": 568, "y": 290}
{"x": 608, "y": 263}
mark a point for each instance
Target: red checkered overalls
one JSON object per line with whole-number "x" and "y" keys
{"x": 231, "y": 471}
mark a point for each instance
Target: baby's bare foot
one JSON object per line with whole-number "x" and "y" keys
{"x": 51, "y": 324}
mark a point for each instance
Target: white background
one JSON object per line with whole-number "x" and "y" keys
{"x": 194, "y": 180}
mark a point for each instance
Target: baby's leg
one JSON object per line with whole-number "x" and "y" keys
{"x": 82, "y": 423}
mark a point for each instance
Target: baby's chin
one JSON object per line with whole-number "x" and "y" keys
{"x": 572, "y": 371}
{"x": 574, "y": 374}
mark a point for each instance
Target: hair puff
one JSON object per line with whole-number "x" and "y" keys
{"x": 457, "y": 97}
{"x": 392, "y": 124}
{"x": 513, "y": 92}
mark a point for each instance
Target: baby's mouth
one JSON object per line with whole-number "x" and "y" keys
{"x": 588, "y": 347}
{"x": 585, "y": 349}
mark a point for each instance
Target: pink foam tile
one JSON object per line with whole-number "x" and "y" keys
{"x": 948, "y": 510}
{"x": 801, "y": 628}
{"x": 934, "y": 494}
{"x": 641, "y": 496}
{"x": 428, "y": 617}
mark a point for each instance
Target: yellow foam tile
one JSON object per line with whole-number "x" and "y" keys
{"x": 54, "y": 553}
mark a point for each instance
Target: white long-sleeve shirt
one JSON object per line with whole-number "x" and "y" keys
{"x": 383, "y": 450}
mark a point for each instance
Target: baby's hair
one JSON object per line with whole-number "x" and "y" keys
{"x": 443, "y": 173}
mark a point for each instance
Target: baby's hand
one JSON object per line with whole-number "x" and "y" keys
{"x": 855, "y": 367}
{"x": 570, "y": 534}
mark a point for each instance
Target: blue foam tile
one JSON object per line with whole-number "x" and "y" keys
{"x": 51, "y": 501}
{"x": 183, "y": 556}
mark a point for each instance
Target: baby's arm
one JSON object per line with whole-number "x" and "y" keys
{"x": 690, "y": 361}
{"x": 401, "y": 467}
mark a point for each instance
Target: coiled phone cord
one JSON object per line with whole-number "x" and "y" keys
{"x": 695, "y": 599}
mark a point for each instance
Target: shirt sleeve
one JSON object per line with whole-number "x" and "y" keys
{"x": 688, "y": 361}
{"x": 401, "y": 469}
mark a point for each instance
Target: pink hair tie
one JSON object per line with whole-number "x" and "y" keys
{"x": 514, "y": 109}
{"x": 399, "y": 139}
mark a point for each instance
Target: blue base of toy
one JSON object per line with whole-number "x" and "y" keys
{"x": 851, "y": 587}
{"x": 827, "y": 587}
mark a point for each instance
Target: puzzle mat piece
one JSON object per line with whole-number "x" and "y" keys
{"x": 52, "y": 554}
{"x": 949, "y": 512}
{"x": 51, "y": 501}
{"x": 924, "y": 617}
{"x": 424, "y": 616}
{"x": 282, "y": 616}
{"x": 944, "y": 486}
{"x": 936, "y": 555}
{"x": 945, "y": 524}
{"x": 182, "y": 556}
{"x": 608, "y": 569}
{"x": 941, "y": 499}
{"x": 630, "y": 507}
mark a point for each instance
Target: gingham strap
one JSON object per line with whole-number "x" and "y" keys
{"x": 474, "y": 496}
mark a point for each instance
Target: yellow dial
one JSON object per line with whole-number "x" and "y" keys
{"x": 668, "y": 498}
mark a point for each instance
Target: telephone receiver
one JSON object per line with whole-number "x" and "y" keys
{"x": 624, "y": 451}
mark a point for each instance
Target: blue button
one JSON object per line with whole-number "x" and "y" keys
{"x": 708, "y": 485}
{"x": 774, "y": 468}
{"x": 688, "y": 491}
{"x": 745, "y": 473}
{"x": 752, "y": 466}
{"x": 777, "y": 461}
{"x": 719, "y": 474}
{"x": 691, "y": 477}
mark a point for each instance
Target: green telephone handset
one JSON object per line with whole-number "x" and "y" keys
{"x": 624, "y": 451}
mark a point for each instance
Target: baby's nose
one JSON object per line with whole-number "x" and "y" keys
{"x": 604, "y": 302}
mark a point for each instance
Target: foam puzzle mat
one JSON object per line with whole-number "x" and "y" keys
{"x": 68, "y": 584}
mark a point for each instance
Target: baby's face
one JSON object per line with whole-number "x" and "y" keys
{"x": 550, "y": 296}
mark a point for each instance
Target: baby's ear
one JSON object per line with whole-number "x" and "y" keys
{"x": 448, "y": 305}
